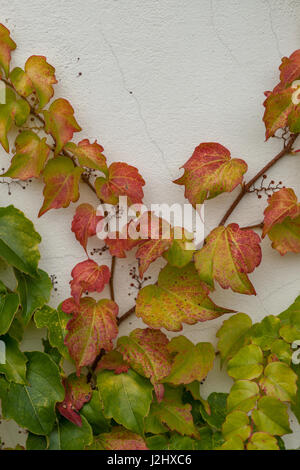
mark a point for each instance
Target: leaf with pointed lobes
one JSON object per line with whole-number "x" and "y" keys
{"x": 12, "y": 111}
{"x": 278, "y": 106}
{"x": 78, "y": 392}
{"x": 178, "y": 297}
{"x": 38, "y": 77}
{"x": 92, "y": 328}
{"x": 290, "y": 68}
{"x": 122, "y": 180}
{"x": 88, "y": 154}
{"x": 84, "y": 223}
{"x": 228, "y": 255}
{"x": 146, "y": 350}
{"x": 113, "y": 360}
{"x": 6, "y": 46}
{"x": 88, "y": 276}
{"x": 30, "y": 157}
{"x": 282, "y": 221}
{"x": 211, "y": 171}
{"x": 61, "y": 179}
{"x": 191, "y": 361}
{"x": 118, "y": 439}
{"x": 60, "y": 122}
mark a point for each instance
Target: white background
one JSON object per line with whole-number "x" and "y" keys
{"x": 151, "y": 80}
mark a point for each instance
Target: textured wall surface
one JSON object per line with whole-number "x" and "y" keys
{"x": 151, "y": 80}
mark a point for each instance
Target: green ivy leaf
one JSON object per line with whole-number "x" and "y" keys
{"x": 282, "y": 351}
{"x": 32, "y": 406}
{"x": 56, "y": 322}
{"x": 234, "y": 443}
{"x": 236, "y": 425}
{"x": 34, "y": 442}
{"x": 279, "y": 381}
{"x": 68, "y": 436}
{"x": 14, "y": 367}
{"x": 180, "y": 253}
{"x": 247, "y": 363}
{"x": 217, "y": 410}
{"x": 93, "y": 412}
{"x": 243, "y": 396}
{"x": 6, "y": 46}
{"x": 232, "y": 335}
{"x": 34, "y": 292}
{"x": 132, "y": 396}
{"x": 12, "y": 111}
{"x": 9, "y": 304}
{"x": 290, "y": 319}
{"x": 264, "y": 334}
{"x": 262, "y": 441}
{"x": 271, "y": 416}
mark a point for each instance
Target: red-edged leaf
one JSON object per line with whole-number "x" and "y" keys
{"x": 6, "y": 46}
{"x": 122, "y": 180}
{"x": 282, "y": 221}
{"x": 209, "y": 172}
{"x": 61, "y": 179}
{"x": 228, "y": 255}
{"x": 149, "y": 251}
{"x": 113, "y": 360}
{"x": 118, "y": 246}
{"x": 119, "y": 439}
{"x": 92, "y": 328}
{"x": 278, "y": 106}
{"x": 84, "y": 223}
{"x": 78, "y": 392}
{"x": 89, "y": 155}
{"x": 88, "y": 276}
{"x": 60, "y": 122}
{"x": 290, "y": 68}
{"x": 30, "y": 157}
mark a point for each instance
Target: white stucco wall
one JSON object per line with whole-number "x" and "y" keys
{"x": 151, "y": 80}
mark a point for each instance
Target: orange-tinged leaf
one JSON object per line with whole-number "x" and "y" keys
{"x": 78, "y": 392}
{"x": 6, "y": 46}
{"x": 118, "y": 439}
{"x": 290, "y": 68}
{"x": 118, "y": 246}
{"x": 228, "y": 255}
{"x": 113, "y": 360}
{"x": 61, "y": 179}
{"x": 89, "y": 155}
{"x": 149, "y": 251}
{"x": 178, "y": 297}
{"x": 209, "y": 172}
{"x": 278, "y": 106}
{"x": 21, "y": 82}
{"x": 84, "y": 223}
{"x": 92, "y": 328}
{"x": 60, "y": 122}
{"x": 121, "y": 180}
{"x": 30, "y": 157}
{"x": 88, "y": 276}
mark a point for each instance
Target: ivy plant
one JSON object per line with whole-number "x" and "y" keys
{"x": 142, "y": 391}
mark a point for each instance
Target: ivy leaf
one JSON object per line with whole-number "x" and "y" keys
{"x": 14, "y": 367}
{"x": 146, "y": 351}
{"x": 39, "y": 76}
{"x": 93, "y": 413}
{"x": 32, "y": 406}
{"x": 282, "y": 221}
{"x": 209, "y": 172}
{"x": 34, "y": 442}
{"x": 271, "y": 416}
{"x": 247, "y": 364}
{"x": 290, "y": 320}
{"x": 232, "y": 335}
{"x": 180, "y": 253}
{"x": 264, "y": 334}
{"x": 89, "y": 155}
{"x": 118, "y": 439}
{"x": 12, "y": 111}
{"x": 236, "y": 425}
{"x": 121, "y": 180}
{"x": 290, "y": 68}
{"x": 229, "y": 254}
{"x": 173, "y": 413}
{"x": 9, "y": 304}
{"x": 30, "y": 158}
{"x": 84, "y": 223}
{"x": 92, "y": 328}
{"x": 118, "y": 245}
{"x": 282, "y": 351}
{"x": 78, "y": 392}
{"x": 68, "y": 436}
{"x": 234, "y": 443}
{"x": 191, "y": 362}
{"x": 216, "y": 410}
{"x": 279, "y": 381}
{"x": 60, "y": 122}
{"x": 278, "y": 107}
{"x": 61, "y": 179}
{"x": 243, "y": 396}
{"x": 179, "y": 297}
{"x": 88, "y": 276}
{"x": 19, "y": 241}
{"x": 6, "y": 46}
{"x": 56, "y": 322}
{"x": 262, "y": 441}
{"x": 113, "y": 360}
{"x": 34, "y": 292}
{"x": 132, "y": 398}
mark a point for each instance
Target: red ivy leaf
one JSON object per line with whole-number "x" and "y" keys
{"x": 6, "y": 46}
{"x": 113, "y": 360}
{"x": 290, "y": 68}
{"x": 61, "y": 179}
{"x": 89, "y": 155}
{"x": 88, "y": 276}
{"x": 78, "y": 392}
{"x": 92, "y": 328}
{"x": 118, "y": 246}
{"x": 209, "y": 172}
{"x": 121, "y": 180}
{"x": 60, "y": 122}
{"x": 227, "y": 256}
{"x": 84, "y": 223}
{"x": 149, "y": 251}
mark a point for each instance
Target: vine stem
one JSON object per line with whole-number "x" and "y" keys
{"x": 245, "y": 188}
{"x": 111, "y": 280}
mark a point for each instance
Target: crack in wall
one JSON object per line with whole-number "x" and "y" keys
{"x": 273, "y": 29}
